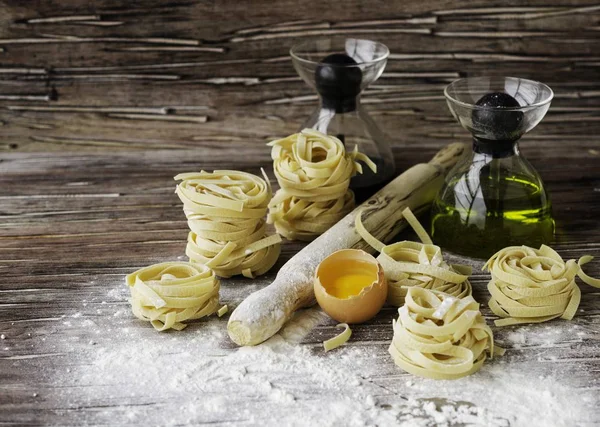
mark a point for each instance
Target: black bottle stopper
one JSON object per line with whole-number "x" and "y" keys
{"x": 501, "y": 128}
{"x": 338, "y": 80}
{"x": 499, "y": 125}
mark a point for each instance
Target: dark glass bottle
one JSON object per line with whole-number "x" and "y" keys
{"x": 339, "y": 69}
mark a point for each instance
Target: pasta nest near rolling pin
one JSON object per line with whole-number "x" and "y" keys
{"x": 226, "y": 215}
{"x": 410, "y": 264}
{"x": 439, "y": 336}
{"x": 313, "y": 171}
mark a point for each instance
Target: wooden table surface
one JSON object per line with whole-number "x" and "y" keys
{"x": 102, "y": 104}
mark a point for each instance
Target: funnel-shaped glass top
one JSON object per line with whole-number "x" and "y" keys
{"x": 498, "y": 108}
{"x": 339, "y": 69}
{"x": 368, "y": 57}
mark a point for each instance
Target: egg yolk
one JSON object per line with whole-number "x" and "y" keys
{"x": 349, "y": 279}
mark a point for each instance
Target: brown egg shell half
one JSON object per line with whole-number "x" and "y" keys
{"x": 358, "y": 308}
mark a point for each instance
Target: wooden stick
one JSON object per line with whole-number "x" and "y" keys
{"x": 264, "y": 312}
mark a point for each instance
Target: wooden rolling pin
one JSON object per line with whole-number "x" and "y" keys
{"x": 264, "y": 312}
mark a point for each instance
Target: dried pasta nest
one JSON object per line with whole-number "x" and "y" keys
{"x": 225, "y": 211}
{"x": 412, "y": 264}
{"x": 534, "y": 285}
{"x": 299, "y": 219}
{"x": 439, "y": 336}
{"x": 170, "y": 293}
{"x": 313, "y": 171}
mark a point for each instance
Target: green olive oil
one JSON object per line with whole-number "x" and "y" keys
{"x": 478, "y": 217}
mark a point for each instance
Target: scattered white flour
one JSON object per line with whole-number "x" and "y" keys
{"x": 263, "y": 385}
{"x": 517, "y": 338}
{"x": 131, "y": 372}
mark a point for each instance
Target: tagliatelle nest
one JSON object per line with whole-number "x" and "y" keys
{"x": 313, "y": 171}
{"x": 439, "y": 336}
{"x": 412, "y": 264}
{"x": 534, "y": 285}
{"x": 225, "y": 211}
{"x": 170, "y": 293}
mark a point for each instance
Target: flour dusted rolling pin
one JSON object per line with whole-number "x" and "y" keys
{"x": 264, "y": 312}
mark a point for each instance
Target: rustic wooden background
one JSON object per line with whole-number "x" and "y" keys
{"x": 143, "y": 75}
{"x": 103, "y": 102}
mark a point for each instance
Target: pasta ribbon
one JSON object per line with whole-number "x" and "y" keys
{"x": 339, "y": 339}
{"x": 441, "y": 337}
{"x": 313, "y": 171}
{"x": 222, "y": 311}
{"x": 411, "y": 264}
{"x": 170, "y": 293}
{"x": 225, "y": 211}
{"x": 534, "y": 285}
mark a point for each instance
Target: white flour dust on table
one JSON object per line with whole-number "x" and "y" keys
{"x": 135, "y": 375}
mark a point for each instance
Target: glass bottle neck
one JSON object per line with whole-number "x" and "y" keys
{"x": 340, "y": 105}
{"x": 495, "y": 149}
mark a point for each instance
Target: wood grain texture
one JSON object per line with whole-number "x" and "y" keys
{"x": 73, "y": 225}
{"x": 103, "y": 102}
{"x": 151, "y": 75}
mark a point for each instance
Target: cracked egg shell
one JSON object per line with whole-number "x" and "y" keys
{"x": 350, "y": 286}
